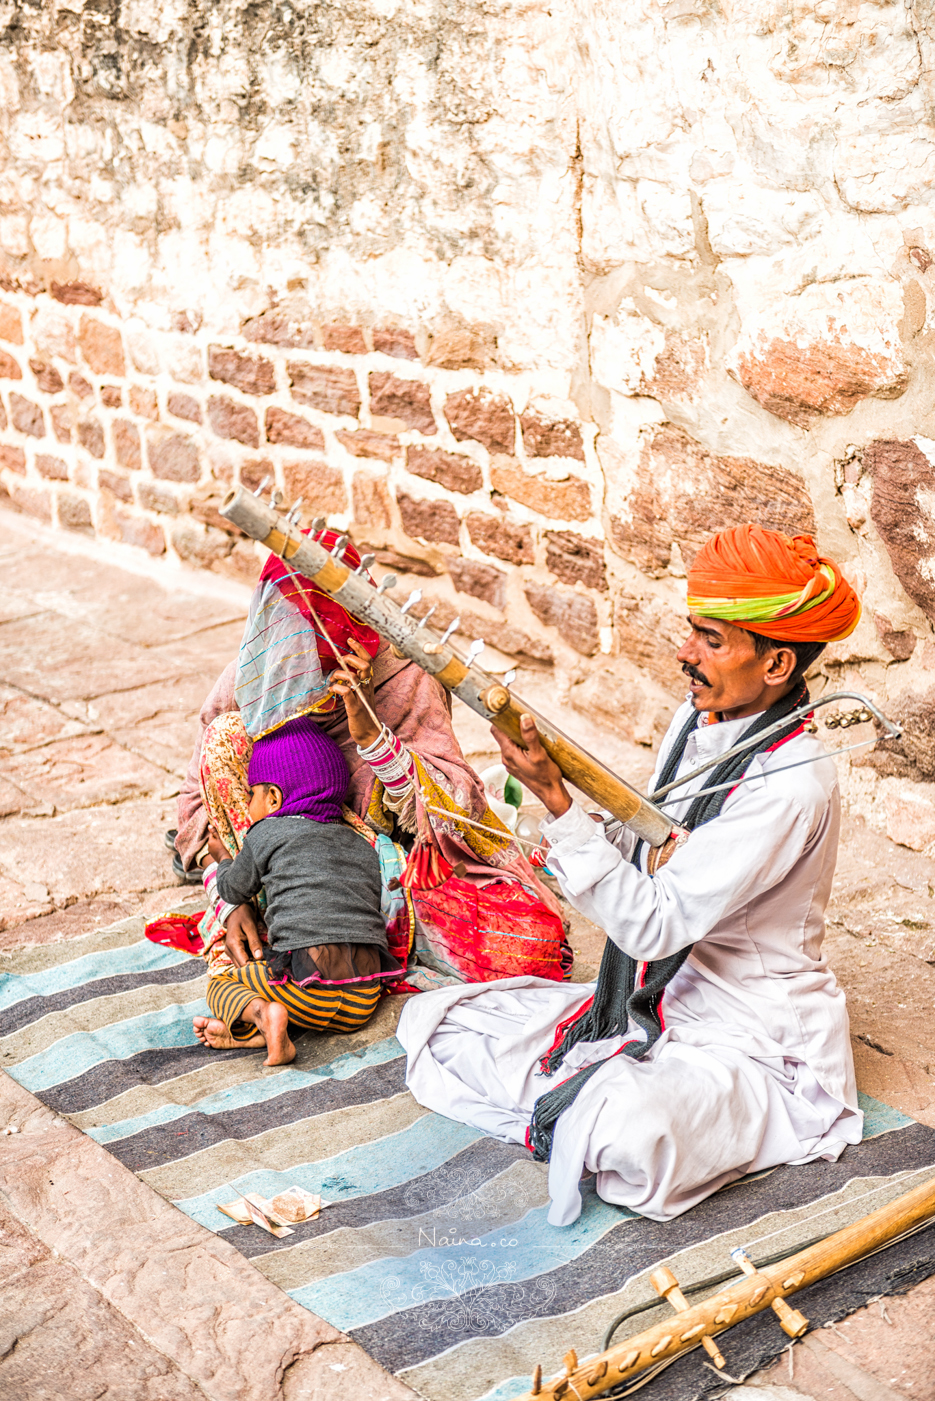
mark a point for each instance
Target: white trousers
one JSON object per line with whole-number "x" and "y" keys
{"x": 707, "y": 1105}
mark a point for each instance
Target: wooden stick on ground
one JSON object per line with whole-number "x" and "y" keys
{"x": 750, "y": 1295}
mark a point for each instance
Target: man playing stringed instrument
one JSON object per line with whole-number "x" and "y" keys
{"x": 716, "y": 1040}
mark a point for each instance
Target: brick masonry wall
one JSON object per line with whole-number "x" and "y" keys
{"x": 530, "y": 297}
{"x": 492, "y": 509}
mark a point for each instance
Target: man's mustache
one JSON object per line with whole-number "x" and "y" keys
{"x": 695, "y": 674}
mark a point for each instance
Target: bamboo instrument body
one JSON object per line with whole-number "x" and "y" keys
{"x": 750, "y": 1295}
{"x": 484, "y": 693}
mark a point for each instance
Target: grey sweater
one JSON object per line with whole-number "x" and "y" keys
{"x": 322, "y": 882}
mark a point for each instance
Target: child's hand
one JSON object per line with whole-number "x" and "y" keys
{"x": 216, "y": 848}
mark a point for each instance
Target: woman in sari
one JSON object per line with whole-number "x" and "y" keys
{"x": 303, "y": 654}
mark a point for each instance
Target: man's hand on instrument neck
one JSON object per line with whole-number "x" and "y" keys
{"x": 533, "y": 767}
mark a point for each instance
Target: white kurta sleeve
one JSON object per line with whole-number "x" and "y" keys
{"x": 748, "y": 849}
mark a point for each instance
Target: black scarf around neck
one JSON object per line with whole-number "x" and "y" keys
{"x": 617, "y": 1000}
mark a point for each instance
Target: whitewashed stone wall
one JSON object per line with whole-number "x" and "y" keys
{"x": 531, "y": 296}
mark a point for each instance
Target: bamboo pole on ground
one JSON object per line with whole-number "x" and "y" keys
{"x": 764, "y": 1288}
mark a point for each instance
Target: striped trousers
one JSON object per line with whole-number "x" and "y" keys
{"x": 315, "y": 1007}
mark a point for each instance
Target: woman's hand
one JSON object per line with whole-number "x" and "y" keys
{"x": 533, "y": 766}
{"x": 216, "y": 848}
{"x": 357, "y": 667}
{"x": 242, "y": 937}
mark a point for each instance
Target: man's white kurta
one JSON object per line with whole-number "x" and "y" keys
{"x": 754, "y": 1066}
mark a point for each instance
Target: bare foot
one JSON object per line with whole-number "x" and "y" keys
{"x": 273, "y": 1020}
{"x": 211, "y": 1032}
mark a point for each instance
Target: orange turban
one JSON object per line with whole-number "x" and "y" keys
{"x": 773, "y": 584}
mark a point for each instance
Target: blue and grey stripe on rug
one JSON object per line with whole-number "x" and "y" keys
{"x": 434, "y": 1252}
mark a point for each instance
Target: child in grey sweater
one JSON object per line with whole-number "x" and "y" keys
{"x": 327, "y": 955}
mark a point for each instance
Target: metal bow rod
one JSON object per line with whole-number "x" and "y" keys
{"x": 433, "y": 652}
{"x": 803, "y": 712}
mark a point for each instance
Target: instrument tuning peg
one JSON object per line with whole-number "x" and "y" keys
{"x": 425, "y": 617}
{"x": 263, "y": 485}
{"x": 318, "y": 524}
{"x": 387, "y": 582}
{"x": 339, "y": 546}
{"x": 293, "y": 515}
{"x": 450, "y": 629}
{"x": 411, "y": 601}
{"x": 366, "y": 563}
{"x": 475, "y": 650}
{"x": 510, "y": 677}
{"x": 275, "y": 497}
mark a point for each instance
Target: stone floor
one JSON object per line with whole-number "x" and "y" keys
{"x": 107, "y": 1290}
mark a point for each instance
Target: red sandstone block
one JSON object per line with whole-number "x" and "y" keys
{"x": 51, "y": 467}
{"x": 127, "y": 444}
{"x": 253, "y": 474}
{"x": 91, "y": 437}
{"x": 79, "y": 385}
{"x": 74, "y": 513}
{"x": 9, "y": 368}
{"x": 76, "y": 294}
{"x": 153, "y": 496}
{"x": 371, "y": 501}
{"x": 321, "y": 487}
{"x": 484, "y": 416}
{"x": 449, "y": 469}
{"x": 26, "y": 416}
{"x": 117, "y": 483}
{"x": 47, "y": 377}
{"x": 381, "y": 446}
{"x": 201, "y": 546}
{"x": 405, "y": 399}
{"x": 571, "y": 558}
{"x": 118, "y": 524}
{"x": 174, "y": 458}
{"x": 101, "y": 346}
{"x": 567, "y": 500}
{"x": 14, "y": 458}
{"x": 233, "y": 421}
{"x": 111, "y": 396}
{"x": 11, "y": 324}
{"x": 347, "y": 339}
{"x": 184, "y": 406}
{"x": 544, "y": 437}
{"x": 61, "y": 416}
{"x": 495, "y": 536}
{"x": 324, "y": 388}
{"x": 429, "y": 520}
{"x": 144, "y": 402}
{"x": 573, "y": 614}
{"x": 33, "y": 502}
{"x": 291, "y": 428}
{"x": 392, "y": 341}
{"x": 250, "y": 374}
{"x": 3, "y": 420}
{"x": 479, "y": 580}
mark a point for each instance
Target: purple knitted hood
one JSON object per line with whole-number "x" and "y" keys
{"x": 307, "y": 765}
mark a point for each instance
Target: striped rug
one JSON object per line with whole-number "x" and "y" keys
{"x": 435, "y": 1253}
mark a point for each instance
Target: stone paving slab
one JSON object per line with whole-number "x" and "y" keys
{"x": 191, "y": 1298}
{"x": 60, "y": 659}
{"x": 26, "y": 723}
{"x": 59, "y": 1337}
{"x": 80, "y": 772}
{"x": 87, "y": 852}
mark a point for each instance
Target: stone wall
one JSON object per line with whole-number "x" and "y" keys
{"x": 530, "y": 296}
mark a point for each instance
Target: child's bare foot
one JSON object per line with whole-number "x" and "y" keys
{"x": 213, "y": 1033}
{"x": 273, "y": 1020}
